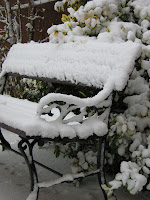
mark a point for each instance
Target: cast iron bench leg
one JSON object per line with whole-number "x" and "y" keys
{"x": 100, "y": 165}
{"x": 23, "y": 145}
{"x": 4, "y": 143}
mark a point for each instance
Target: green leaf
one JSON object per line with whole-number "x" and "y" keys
{"x": 57, "y": 151}
{"x": 82, "y": 94}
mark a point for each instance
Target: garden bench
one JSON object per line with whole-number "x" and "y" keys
{"x": 89, "y": 63}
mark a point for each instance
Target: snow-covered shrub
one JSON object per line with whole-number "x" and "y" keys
{"x": 128, "y": 141}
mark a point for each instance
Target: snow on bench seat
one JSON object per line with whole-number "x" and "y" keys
{"x": 22, "y": 115}
{"x": 91, "y": 62}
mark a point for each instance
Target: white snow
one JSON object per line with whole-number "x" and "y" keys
{"x": 91, "y": 62}
{"x": 146, "y": 37}
{"x": 129, "y": 176}
{"x": 36, "y": 3}
{"x": 64, "y": 178}
{"x": 22, "y": 115}
{"x": 141, "y": 8}
{"x": 42, "y": 1}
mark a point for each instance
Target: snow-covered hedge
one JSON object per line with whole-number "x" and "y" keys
{"x": 129, "y": 134}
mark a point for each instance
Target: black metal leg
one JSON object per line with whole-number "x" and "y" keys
{"x": 4, "y": 143}
{"x": 23, "y": 145}
{"x": 100, "y": 165}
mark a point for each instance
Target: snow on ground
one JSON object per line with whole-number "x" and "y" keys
{"x": 15, "y": 184}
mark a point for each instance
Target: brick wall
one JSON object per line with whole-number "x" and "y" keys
{"x": 50, "y": 17}
{"x": 45, "y": 10}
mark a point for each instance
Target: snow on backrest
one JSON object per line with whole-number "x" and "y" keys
{"x": 91, "y": 62}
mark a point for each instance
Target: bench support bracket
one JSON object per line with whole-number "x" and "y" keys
{"x": 4, "y": 143}
{"x": 24, "y": 145}
{"x": 101, "y": 166}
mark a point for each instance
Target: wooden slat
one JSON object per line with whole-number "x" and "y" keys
{"x": 57, "y": 139}
{"x": 14, "y": 130}
{"x": 51, "y": 80}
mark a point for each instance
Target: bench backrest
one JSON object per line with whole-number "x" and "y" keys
{"x": 90, "y": 63}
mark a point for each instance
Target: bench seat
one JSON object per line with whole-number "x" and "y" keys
{"x": 22, "y": 115}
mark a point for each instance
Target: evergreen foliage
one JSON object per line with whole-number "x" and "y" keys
{"x": 128, "y": 141}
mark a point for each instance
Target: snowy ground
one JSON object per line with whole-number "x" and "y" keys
{"x": 14, "y": 179}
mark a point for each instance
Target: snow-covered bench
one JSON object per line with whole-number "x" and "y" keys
{"x": 91, "y": 63}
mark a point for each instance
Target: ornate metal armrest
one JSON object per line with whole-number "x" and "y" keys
{"x": 74, "y": 109}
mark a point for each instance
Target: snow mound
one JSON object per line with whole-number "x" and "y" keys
{"x": 90, "y": 62}
{"x": 22, "y": 115}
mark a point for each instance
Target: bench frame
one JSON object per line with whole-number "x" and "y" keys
{"x": 26, "y": 146}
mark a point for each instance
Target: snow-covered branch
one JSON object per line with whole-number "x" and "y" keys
{"x": 30, "y": 25}
{"x": 19, "y": 21}
{"x": 67, "y": 178}
{"x": 12, "y": 38}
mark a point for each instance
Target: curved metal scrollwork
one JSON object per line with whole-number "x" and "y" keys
{"x": 24, "y": 145}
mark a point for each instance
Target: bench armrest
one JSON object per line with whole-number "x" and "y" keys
{"x": 72, "y": 103}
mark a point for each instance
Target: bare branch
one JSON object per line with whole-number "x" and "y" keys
{"x": 31, "y": 21}
{"x": 19, "y": 20}
{"x": 10, "y": 23}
